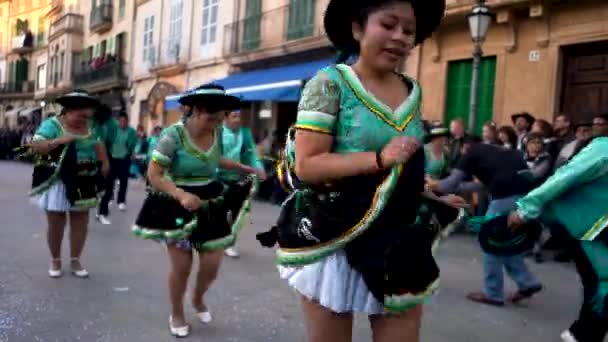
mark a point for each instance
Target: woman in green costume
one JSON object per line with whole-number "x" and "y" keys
{"x": 187, "y": 206}
{"x": 576, "y": 198}
{"x": 341, "y": 232}
{"x": 436, "y": 153}
{"x": 66, "y": 175}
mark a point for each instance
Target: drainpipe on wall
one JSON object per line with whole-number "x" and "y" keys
{"x": 131, "y": 56}
{"x": 190, "y": 43}
{"x": 235, "y": 28}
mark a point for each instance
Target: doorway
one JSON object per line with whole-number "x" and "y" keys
{"x": 585, "y": 81}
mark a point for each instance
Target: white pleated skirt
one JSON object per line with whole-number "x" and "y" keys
{"x": 334, "y": 284}
{"x": 54, "y": 199}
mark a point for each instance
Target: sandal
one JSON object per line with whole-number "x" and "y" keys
{"x": 79, "y": 272}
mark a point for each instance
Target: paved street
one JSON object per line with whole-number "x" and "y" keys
{"x": 126, "y": 299}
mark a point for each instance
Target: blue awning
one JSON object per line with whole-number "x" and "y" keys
{"x": 280, "y": 84}
{"x": 171, "y": 102}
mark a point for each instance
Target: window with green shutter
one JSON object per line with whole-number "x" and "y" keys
{"x": 251, "y": 25}
{"x": 41, "y": 29}
{"x": 121, "y": 9}
{"x": 301, "y": 19}
{"x": 11, "y": 72}
{"x": 459, "y": 91}
{"x": 21, "y": 69}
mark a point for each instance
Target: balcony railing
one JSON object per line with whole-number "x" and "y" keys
{"x": 101, "y": 18}
{"x": 68, "y": 23}
{"x": 170, "y": 59}
{"x": 24, "y": 88}
{"x": 108, "y": 75}
{"x": 273, "y": 28}
{"x": 23, "y": 43}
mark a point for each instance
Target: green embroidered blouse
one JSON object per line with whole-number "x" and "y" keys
{"x": 85, "y": 144}
{"x": 335, "y": 102}
{"x": 185, "y": 163}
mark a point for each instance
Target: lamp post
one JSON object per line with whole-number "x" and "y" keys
{"x": 479, "y": 19}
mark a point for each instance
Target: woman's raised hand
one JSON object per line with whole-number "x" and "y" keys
{"x": 399, "y": 150}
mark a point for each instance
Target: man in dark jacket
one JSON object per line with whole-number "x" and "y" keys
{"x": 504, "y": 174}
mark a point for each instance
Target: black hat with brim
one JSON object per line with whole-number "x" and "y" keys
{"x": 340, "y": 15}
{"x": 211, "y": 96}
{"x": 435, "y": 133}
{"x": 77, "y": 99}
{"x": 526, "y": 116}
{"x": 497, "y": 238}
{"x": 583, "y": 124}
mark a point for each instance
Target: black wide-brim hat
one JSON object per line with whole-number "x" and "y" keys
{"x": 340, "y": 15}
{"x": 524, "y": 115}
{"x": 436, "y": 132}
{"x": 497, "y": 238}
{"x": 210, "y": 96}
{"x": 583, "y": 124}
{"x": 78, "y": 99}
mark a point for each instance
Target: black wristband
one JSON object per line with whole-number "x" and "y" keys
{"x": 379, "y": 160}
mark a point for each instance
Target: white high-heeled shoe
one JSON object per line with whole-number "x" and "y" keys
{"x": 204, "y": 316}
{"x": 80, "y": 273}
{"x": 568, "y": 337}
{"x": 182, "y": 331}
{"x": 55, "y": 273}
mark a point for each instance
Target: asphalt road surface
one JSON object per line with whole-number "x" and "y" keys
{"x": 126, "y": 298}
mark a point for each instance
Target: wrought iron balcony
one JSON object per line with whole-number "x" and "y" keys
{"x": 23, "y": 89}
{"x": 23, "y": 43}
{"x": 289, "y": 28}
{"x": 107, "y": 76}
{"x": 101, "y": 18}
{"x": 68, "y": 23}
{"x": 169, "y": 60}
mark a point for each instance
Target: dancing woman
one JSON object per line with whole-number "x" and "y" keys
{"x": 186, "y": 207}
{"x": 66, "y": 175}
{"x": 356, "y": 235}
{"x": 576, "y": 199}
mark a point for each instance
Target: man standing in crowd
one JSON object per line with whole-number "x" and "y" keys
{"x": 457, "y": 136}
{"x": 582, "y": 134}
{"x": 122, "y": 143}
{"x": 238, "y": 145}
{"x": 562, "y": 128}
{"x": 523, "y": 124}
{"x": 499, "y": 172}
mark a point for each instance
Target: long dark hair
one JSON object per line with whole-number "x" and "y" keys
{"x": 349, "y": 47}
{"x": 510, "y": 133}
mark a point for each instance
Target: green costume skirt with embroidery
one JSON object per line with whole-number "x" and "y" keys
{"x": 163, "y": 218}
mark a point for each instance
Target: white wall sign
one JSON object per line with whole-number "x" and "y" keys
{"x": 534, "y": 56}
{"x": 265, "y": 114}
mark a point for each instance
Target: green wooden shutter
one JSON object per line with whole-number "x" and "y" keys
{"x": 11, "y": 72}
{"x": 459, "y": 91}
{"x": 251, "y": 34}
{"x": 21, "y": 72}
{"x": 121, "y": 9}
{"x": 485, "y": 95}
{"x": 40, "y": 37}
{"x": 301, "y": 19}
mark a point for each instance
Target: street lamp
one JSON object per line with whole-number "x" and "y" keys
{"x": 479, "y": 19}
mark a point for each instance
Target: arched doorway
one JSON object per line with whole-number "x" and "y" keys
{"x": 156, "y": 103}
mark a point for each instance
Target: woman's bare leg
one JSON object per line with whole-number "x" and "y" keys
{"x": 79, "y": 226}
{"x": 323, "y": 325}
{"x": 181, "y": 263}
{"x": 404, "y": 327}
{"x": 209, "y": 265}
{"x": 54, "y": 236}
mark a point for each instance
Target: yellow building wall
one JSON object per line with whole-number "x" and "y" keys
{"x": 521, "y": 84}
